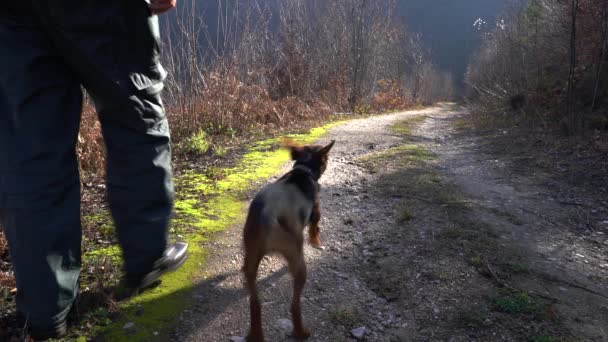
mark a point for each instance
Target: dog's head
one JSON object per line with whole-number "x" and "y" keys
{"x": 314, "y": 157}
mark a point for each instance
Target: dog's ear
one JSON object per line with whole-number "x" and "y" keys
{"x": 296, "y": 152}
{"x": 325, "y": 150}
{"x": 294, "y": 149}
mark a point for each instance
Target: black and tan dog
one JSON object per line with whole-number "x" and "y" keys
{"x": 275, "y": 224}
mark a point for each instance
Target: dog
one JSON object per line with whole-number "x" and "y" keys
{"x": 275, "y": 223}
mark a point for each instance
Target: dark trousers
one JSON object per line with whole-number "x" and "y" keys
{"x": 46, "y": 57}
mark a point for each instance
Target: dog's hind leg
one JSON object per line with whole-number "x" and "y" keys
{"x": 313, "y": 226}
{"x": 297, "y": 268}
{"x": 250, "y": 268}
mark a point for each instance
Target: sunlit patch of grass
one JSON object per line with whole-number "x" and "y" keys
{"x": 403, "y": 156}
{"x": 405, "y": 127}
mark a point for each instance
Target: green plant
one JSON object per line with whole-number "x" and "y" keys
{"x": 196, "y": 144}
{"x": 405, "y": 214}
{"x": 220, "y": 150}
{"x": 519, "y": 268}
{"x": 362, "y": 109}
{"x": 516, "y": 302}
{"x": 472, "y": 320}
{"x": 542, "y": 338}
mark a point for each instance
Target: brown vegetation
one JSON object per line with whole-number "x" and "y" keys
{"x": 272, "y": 66}
{"x": 546, "y": 61}
{"x": 317, "y": 58}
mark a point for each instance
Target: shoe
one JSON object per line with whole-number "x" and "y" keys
{"x": 58, "y": 331}
{"x": 173, "y": 258}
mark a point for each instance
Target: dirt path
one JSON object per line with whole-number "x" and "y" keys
{"x": 426, "y": 239}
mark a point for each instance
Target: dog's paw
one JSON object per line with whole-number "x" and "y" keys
{"x": 319, "y": 247}
{"x": 316, "y": 243}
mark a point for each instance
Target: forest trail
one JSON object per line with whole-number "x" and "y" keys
{"x": 427, "y": 237}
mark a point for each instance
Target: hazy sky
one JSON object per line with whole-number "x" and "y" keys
{"x": 447, "y": 27}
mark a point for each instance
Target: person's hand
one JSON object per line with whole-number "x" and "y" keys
{"x": 161, "y": 6}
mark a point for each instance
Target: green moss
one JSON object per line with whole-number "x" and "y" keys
{"x": 203, "y": 206}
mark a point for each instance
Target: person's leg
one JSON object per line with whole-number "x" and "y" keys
{"x": 136, "y": 131}
{"x": 119, "y": 66}
{"x": 40, "y": 103}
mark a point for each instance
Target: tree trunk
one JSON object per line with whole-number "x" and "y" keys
{"x": 600, "y": 65}
{"x": 570, "y": 93}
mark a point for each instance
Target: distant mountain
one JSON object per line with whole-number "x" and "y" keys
{"x": 447, "y": 27}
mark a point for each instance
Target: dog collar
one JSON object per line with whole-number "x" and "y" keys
{"x": 306, "y": 170}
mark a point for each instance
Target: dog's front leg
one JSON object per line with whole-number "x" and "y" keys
{"x": 313, "y": 228}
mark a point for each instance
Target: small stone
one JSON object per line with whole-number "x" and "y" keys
{"x": 129, "y": 326}
{"x": 237, "y": 339}
{"x": 139, "y": 310}
{"x": 284, "y": 324}
{"x": 358, "y": 332}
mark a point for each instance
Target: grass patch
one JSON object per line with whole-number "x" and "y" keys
{"x": 519, "y": 268}
{"x": 405, "y": 214}
{"x": 404, "y": 156}
{"x": 463, "y": 124}
{"x": 475, "y": 260}
{"x": 517, "y": 302}
{"x": 543, "y": 338}
{"x": 456, "y": 233}
{"x": 472, "y": 320}
{"x": 406, "y": 127}
{"x": 346, "y": 316}
{"x": 510, "y": 217}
